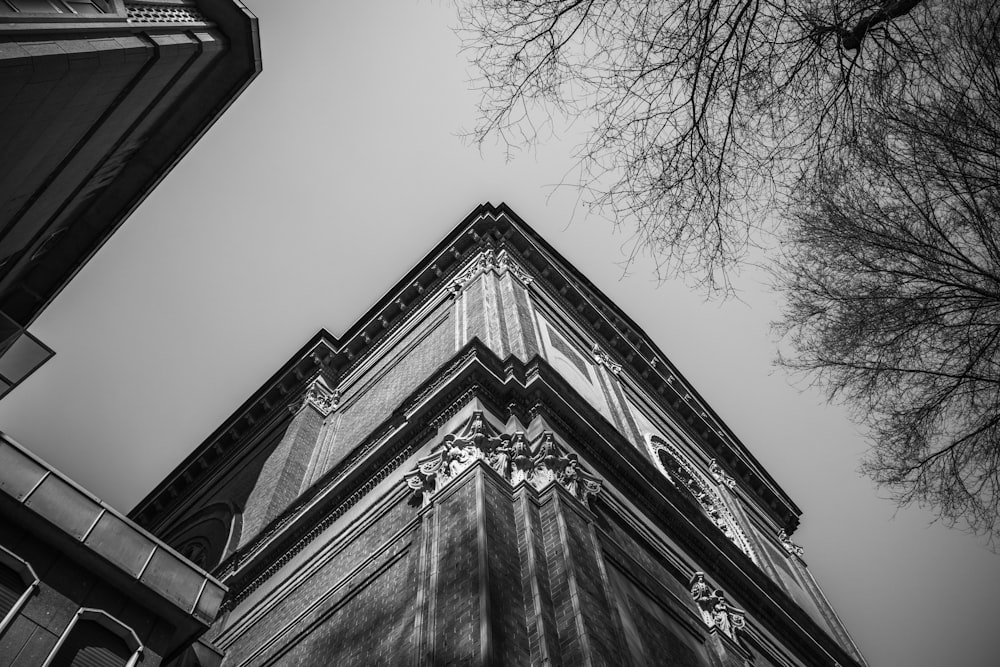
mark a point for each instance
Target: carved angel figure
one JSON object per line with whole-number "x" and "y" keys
{"x": 520, "y": 458}
{"x": 500, "y": 459}
{"x": 569, "y": 476}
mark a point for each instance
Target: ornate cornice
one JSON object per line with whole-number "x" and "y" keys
{"x": 491, "y": 238}
{"x": 539, "y": 391}
{"x": 488, "y": 259}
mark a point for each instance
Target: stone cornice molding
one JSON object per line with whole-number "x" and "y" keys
{"x": 490, "y": 258}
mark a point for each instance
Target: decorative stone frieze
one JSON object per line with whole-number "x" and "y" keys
{"x": 489, "y": 259}
{"x": 681, "y": 472}
{"x": 539, "y": 463}
{"x": 791, "y": 547}
{"x": 601, "y": 358}
{"x": 716, "y": 612}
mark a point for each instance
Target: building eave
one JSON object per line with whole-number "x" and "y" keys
{"x": 79, "y": 525}
{"x": 193, "y": 115}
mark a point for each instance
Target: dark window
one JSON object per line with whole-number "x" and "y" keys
{"x": 68, "y": 7}
{"x": 12, "y": 587}
{"x": 84, "y": 7}
{"x": 30, "y": 6}
{"x": 90, "y": 644}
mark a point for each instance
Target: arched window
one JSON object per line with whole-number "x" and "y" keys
{"x": 197, "y": 551}
{"x": 685, "y": 475}
{"x": 17, "y": 582}
{"x": 208, "y": 536}
{"x": 94, "y": 638}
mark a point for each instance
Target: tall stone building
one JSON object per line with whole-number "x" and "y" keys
{"x": 494, "y": 466}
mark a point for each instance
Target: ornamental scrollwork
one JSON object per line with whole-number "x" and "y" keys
{"x": 539, "y": 463}
{"x": 715, "y": 611}
{"x": 489, "y": 259}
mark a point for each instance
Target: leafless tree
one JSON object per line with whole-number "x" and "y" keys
{"x": 703, "y": 113}
{"x": 863, "y": 134}
{"x": 892, "y": 272}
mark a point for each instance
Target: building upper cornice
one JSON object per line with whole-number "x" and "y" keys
{"x": 499, "y": 231}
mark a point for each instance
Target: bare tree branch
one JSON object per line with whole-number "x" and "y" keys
{"x": 892, "y": 276}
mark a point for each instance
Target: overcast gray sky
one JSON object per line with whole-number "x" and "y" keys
{"x": 321, "y": 186}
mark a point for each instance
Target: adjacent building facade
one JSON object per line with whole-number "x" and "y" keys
{"x": 81, "y": 585}
{"x": 494, "y": 466}
{"x": 99, "y": 99}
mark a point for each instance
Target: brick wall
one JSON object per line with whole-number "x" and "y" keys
{"x": 653, "y": 636}
{"x": 282, "y": 474}
{"x": 535, "y": 583}
{"x": 372, "y": 398}
{"x": 507, "y": 603}
{"x": 312, "y": 599}
{"x": 486, "y": 574}
{"x": 456, "y": 631}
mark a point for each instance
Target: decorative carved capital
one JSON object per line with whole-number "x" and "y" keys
{"x": 720, "y": 475}
{"x": 716, "y": 612}
{"x": 320, "y": 396}
{"x": 511, "y": 455}
{"x": 602, "y": 359}
{"x": 489, "y": 259}
{"x": 791, "y": 547}
{"x": 506, "y": 263}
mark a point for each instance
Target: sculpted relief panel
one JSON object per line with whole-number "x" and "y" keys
{"x": 538, "y": 462}
{"x": 684, "y": 474}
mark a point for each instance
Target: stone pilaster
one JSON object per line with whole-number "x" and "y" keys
{"x": 281, "y": 477}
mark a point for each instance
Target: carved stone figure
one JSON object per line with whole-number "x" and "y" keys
{"x": 509, "y": 455}
{"x": 602, "y": 359}
{"x": 720, "y": 475}
{"x": 716, "y": 612}
{"x": 520, "y": 458}
{"x": 569, "y": 476}
{"x": 789, "y": 546}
